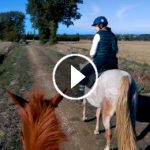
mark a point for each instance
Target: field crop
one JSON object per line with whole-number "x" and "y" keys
{"x": 138, "y": 51}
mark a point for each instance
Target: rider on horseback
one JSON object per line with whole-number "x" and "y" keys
{"x": 103, "y": 51}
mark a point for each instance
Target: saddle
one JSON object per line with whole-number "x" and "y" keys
{"x": 91, "y": 80}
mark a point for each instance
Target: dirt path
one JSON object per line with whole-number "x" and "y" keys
{"x": 80, "y": 134}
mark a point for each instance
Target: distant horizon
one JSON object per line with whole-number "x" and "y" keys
{"x": 93, "y": 33}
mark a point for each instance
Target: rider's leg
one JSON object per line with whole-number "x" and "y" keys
{"x": 87, "y": 70}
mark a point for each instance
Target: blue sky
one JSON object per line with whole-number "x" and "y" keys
{"x": 124, "y": 16}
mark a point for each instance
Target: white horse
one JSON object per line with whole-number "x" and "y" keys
{"x": 115, "y": 92}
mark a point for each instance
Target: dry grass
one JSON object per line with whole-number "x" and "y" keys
{"x": 138, "y": 51}
{"x": 3, "y": 45}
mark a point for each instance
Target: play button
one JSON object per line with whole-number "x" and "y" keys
{"x": 67, "y": 74}
{"x": 76, "y": 76}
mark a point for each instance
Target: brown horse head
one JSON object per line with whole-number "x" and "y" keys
{"x": 41, "y": 128}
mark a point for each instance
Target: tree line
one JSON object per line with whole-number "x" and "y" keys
{"x": 122, "y": 37}
{"x": 46, "y": 15}
{"x": 133, "y": 37}
{"x": 11, "y": 26}
{"x": 59, "y": 37}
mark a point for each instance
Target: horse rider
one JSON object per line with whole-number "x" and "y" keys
{"x": 103, "y": 51}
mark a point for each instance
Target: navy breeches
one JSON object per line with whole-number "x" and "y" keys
{"x": 100, "y": 65}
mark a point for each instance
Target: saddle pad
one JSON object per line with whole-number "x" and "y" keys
{"x": 91, "y": 80}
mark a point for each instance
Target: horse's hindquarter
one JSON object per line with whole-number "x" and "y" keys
{"x": 110, "y": 81}
{"x": 107, "y": 87}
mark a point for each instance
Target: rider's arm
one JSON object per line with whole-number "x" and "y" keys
{"x": 96, "y": 40}
{"x": 115, "y": 43}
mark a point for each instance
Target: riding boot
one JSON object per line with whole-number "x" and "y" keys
{"x": 81, "y": 90}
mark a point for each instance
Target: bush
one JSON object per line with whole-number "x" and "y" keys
{"x": 66, "y": 37}
{"x": 31, "y": 36}
{"x": 11, "y": 26}
{"x": 44, "y": 39}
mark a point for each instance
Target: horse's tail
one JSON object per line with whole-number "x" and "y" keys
{"x": 125, "y": 133}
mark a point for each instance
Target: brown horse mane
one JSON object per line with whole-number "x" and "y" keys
{"x": 41, "y": 129}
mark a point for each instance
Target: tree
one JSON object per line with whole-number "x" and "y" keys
{"x": 47, "y": 14}
{"x": 11, "y": 25}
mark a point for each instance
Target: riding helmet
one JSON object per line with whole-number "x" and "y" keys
{"x": 100, "y": 20}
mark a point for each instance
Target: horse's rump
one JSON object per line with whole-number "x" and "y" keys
{"x": 107, "y": 87}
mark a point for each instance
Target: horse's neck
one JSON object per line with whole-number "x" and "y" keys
{"x": 45, "y": 133}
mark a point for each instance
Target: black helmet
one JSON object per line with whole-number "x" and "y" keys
{"x": 100, "y": 20}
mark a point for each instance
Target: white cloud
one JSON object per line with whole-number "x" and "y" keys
{"x": 95, "y": 10}
{"x": 87, "y": 19}
{"x": 121, "y": 13}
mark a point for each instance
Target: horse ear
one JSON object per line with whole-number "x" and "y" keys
{"x": 17, "y": 99}
{"x": 56, "y": 99}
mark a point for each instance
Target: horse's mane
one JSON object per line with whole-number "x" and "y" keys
{"x": 41, "y": 128}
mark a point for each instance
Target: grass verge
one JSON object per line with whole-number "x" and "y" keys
{"x": 140, "y": 73}
{"x": 15, "y": 76}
